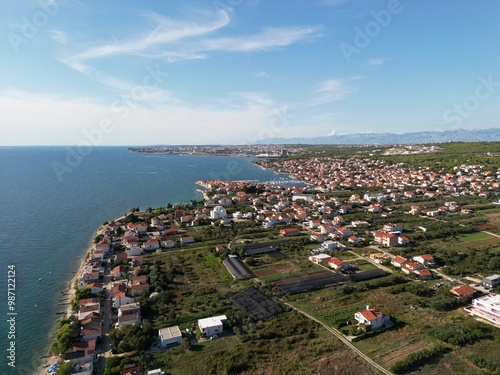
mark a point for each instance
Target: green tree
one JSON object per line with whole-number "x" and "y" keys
{"x": 64, "y": 369}
{"x": 131, "y": 337}
{"x": 80, "y": 294}
{"x": 113, "y": 366}
{"x": 66, "y": 335}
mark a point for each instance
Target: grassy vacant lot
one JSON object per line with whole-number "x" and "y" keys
{"x": 478, "y": 237}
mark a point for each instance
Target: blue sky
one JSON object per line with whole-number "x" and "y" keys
{"x": 238, "y": 71}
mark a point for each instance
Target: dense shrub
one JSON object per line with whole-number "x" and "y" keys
{"x": 459, "y": 335}
{"x": 417, "y": 358}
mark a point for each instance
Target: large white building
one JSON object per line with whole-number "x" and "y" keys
{"x": 212, "y": 326}
{"x": 170, "y": 336}
{"x": 218, "y": 212}
{"x": 487, "y": 307}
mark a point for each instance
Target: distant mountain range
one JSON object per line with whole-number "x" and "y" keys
{"x": 459, "y": 135}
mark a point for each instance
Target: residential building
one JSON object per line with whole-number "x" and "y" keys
{"x": 491, "y": 281}
{"x": 329, "y": 245}
{"x": 213, "y": 326}
{"x": 320, "y": 258}
{"x": 218, "y": 212}
{"x": 425, "y": 260}
{"x": 186, "y": 240}
{"x": 122, "y": 298}
{"x": 337, "y": 264}
{"x": 423, "y": 274}
{"x": 379, "y": 257}
{"x": 129, "y": 314}
{"x": 170, "y": 336}
{"x": 374, "y": 318}
{"x": 386, "y": 239}
{"x": 317, "y": 237}
{"x": 462, "y": 292}
{"x": 398, "y": 261}
{"x": 289, "y": 232}
{"x": 150, "y": 245}
{"x": 82, "y": 351}
{"x": 487, "y": 307}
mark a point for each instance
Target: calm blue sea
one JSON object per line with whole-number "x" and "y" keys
{"x": 52, "y": 202}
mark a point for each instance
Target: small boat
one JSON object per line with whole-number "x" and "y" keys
{"x": 39, "y": 279}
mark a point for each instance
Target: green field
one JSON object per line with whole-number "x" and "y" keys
{"x": 476, "y": 237}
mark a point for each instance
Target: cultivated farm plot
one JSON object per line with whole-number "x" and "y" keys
{"x": 306, "y": 283}
{"x": 254, "y": 304}
{"x": 403, "y": 349}
{"x": 275, "y": 270}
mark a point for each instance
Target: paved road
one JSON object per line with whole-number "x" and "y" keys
{"x": 346, "y": 342}
{"x": 106, "y": 340}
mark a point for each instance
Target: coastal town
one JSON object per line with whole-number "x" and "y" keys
{"x": 381, "y": 244}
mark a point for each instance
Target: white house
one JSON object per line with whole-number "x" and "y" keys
{"x": 218, "y": 212}
{"x": 337, "y": 264}
{"x": 210, "y": 327}
{"x": 170, "y": 336}
{"x": 318, "y": 259}
{"x": 122, "y": 298}
{"x": 89, "y": 308}
{"x": 318, "y": 237}
{"x": 186, "y": 240}
{"x": 425, "y": 260}
{"x": 169, "y": 243}
{"x": 151, "y": 245}
{"x": 104, "y": 246}
{"x": 329, "y": 245}
{"x": 95, "y": 288}
{"x": 129, "y": 314}
{"x": 374, "y": 197}
{"x": 392, "y": 228}
{"x": 374, "y": 318}
{"x": 133, "y": 251}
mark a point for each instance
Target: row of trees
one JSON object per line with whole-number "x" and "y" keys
{"x": 66, "y": 335}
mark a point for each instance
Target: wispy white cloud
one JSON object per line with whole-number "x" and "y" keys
{"x": 166, "y": 31}
{"x": 377, "y": 61}
{"x": 59, "y": 36}
{"x": 267, "y": 39}
{"x": 261, "y": 74}
{"x": 331, "y": 90}
{"x": 174, "y": 40}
